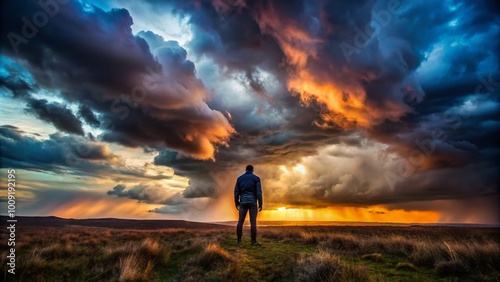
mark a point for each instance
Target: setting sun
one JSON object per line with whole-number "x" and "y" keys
{"x": 300, "y": 168}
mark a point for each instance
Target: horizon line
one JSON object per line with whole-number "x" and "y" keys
{"x": 268, "y": 221}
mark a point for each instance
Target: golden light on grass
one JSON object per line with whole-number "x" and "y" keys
{"x": 129, "y": 268}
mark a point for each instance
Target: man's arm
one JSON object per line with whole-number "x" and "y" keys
{"x": 259, "y": 194}
{"x": 237, "y": 194}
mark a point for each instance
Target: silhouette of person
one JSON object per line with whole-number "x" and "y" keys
{"x": 247, "y": 193}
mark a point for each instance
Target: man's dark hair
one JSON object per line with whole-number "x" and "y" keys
{"x": 249, "y": 168}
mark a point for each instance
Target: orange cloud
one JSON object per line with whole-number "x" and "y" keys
{"x": 296, "y": 43}
{"x": 345, "y": 106}
{"x": 337, "y": 86}
{"x": 345, "y": 102}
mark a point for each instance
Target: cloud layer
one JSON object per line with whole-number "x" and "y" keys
{"x": 336, "y": 103}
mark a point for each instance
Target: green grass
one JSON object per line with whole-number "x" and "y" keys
{"x": 388, "y": 269}
{"x": 177, "y": 260}
{"x": 286, "y": 254}
{"x": 272, "y": 261}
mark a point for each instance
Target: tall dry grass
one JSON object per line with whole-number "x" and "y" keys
{"x": 134, "y": 268}
{"x": 452, "y": 252}
{"x": 212, "y": 256}
{"x": 98, "y": 254}
{"x": 213, "y": 260}
{"x": 136, "y": 260}
{"x": 324, "y": 266}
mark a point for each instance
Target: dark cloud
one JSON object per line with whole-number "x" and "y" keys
{"x": 57, "y": 153}
{"x": 200, "y": 173}
{"x": 376, "y": 212}
{"x": 117, "y": 190}
{"x": 200, "y": 189}
{"x": 459, "y": 136}
{"x": 364, "y": 176}
{"x": 145, "y": 193}
{"x": 172, "y": 199}
{"x": 232, "y": 38}
{"x": 452, "y": 70}
{"x": 56, "y": 114}
{"x": 85, "y": 113}
{"x": 68, "y": 154}
{"x": 14, "y": 80}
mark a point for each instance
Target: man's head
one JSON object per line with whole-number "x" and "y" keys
{"x": 249, "y": 168}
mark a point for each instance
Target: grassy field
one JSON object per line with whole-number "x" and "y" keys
{"x": 338, "y": 253}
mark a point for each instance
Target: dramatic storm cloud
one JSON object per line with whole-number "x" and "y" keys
{"x": 383, "y": 107}
{"x": 142, "y": 94}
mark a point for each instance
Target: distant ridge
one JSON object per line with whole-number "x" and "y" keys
{"x": 116, "y": 223}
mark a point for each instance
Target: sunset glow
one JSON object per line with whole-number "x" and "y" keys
{"x": 369, "y": 214}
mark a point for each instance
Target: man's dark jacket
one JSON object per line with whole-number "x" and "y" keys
{"x": 248, "y": 189}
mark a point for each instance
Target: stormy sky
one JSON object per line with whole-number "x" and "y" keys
{"x": 381, "y": 110}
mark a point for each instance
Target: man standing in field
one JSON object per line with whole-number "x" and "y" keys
{"x": 247, "y": 193}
